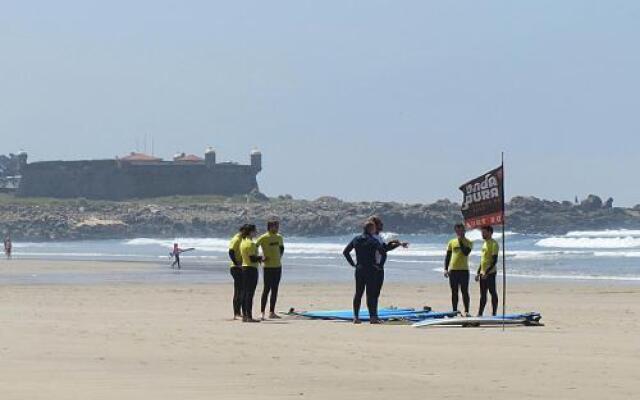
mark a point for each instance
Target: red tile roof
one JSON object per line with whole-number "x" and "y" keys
{"x": 133, "y": 156}
{"x": 189, "y": 157}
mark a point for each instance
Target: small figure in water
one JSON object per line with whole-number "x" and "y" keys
{"x": 175, "y": 253}
{"x": 7, "y": 247}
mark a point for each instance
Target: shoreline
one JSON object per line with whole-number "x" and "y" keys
{"x": 19, "y": 271}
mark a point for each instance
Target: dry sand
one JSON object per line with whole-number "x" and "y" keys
{"x": 150, "y": 341}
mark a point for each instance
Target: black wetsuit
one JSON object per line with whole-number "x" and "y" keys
{"x": 249, "y": 284}
{"x": 377, "y": 278}
{"x": 271, "y": 280}
{"x": 459, "y": 280}
{"x": 488, "y": 284}
{"x": 236, "y": 273}
{"x": 369, "y": 275}
{"x": 176, "y": 254}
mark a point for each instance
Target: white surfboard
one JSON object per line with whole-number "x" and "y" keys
{"x": 471, "y": 321}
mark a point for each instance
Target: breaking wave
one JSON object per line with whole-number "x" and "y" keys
{"x": 590, "y": 242}
{"x": 604, "y": 233}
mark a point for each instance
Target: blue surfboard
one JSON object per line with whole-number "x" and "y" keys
{"x": 383, "y": 314}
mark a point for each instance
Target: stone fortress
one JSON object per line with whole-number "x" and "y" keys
{"x": 136, "y": 175}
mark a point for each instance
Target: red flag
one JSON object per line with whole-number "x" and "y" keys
{"x": 483, "y": 202}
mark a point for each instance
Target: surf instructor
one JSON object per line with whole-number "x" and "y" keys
{"x": 272, "y": 245}
{"x": 378, "y": 274}
{"x": 176, "y": 255}
{"x": 366, "y": 268}
{"x": 236, "y": 272}
{"x": 487, "y": 271}
{"x": 250, "y": 261}
{"x": 456, "y": 267}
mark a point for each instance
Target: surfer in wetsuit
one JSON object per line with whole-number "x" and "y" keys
{"x": 236, "y": 271}
{"x": 272, "y": 245}
{"x": 366, "y": 247}
{"x": 176, "y": 255}
{"x": 250, "y": 261}
{"x": 487, "y": 271}
{"x": 378, "y": 274}
{"x": 8, "y": 247}
{"x": 456, "y": 267}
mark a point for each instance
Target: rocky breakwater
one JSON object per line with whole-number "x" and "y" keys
{"x": 43, "y": 219}
{"x": 533, "y": 215}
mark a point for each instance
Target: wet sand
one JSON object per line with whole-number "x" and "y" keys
{"x": 119, "y": 340}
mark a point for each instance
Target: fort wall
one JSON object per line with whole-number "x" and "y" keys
{"x": 119, "y": 180}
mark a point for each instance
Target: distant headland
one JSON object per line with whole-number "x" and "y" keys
{"x": 217, "y": 216}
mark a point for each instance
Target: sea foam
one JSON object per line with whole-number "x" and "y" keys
{"x": 590, "y": 242}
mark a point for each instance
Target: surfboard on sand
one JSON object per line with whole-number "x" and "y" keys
{"x": 409, "y": 314}
{"x": 510, "y": 319}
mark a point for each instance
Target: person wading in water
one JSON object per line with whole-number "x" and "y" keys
{"x": 8, "y": 247}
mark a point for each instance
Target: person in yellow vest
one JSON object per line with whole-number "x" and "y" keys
{"x": 272, "y": 245}
{"x": 487, "y": 270}
{"x": 250, "y": 262}
{"x": 236, "y": 272}
{"x": 456, "y": 267}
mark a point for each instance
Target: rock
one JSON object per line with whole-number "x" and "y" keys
{"x": 328, "y": 200}
{"x": 443, "y": 205}
{"x": 592, "y": 202}
{"x": 609, "y": 203}
{"x": 220, "y": 217}
{"x": 257, "y": 196}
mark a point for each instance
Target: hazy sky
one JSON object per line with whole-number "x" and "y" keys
{"x": 365, "y": 100}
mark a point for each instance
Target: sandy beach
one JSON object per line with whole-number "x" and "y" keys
{"x": 119, "y": 340}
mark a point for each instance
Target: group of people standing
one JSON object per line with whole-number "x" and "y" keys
{"x": 456, "y": 269}
{"x": 247, "y": 252}
{"x": 245, "y": 259}
{"x": 371, "y": 255}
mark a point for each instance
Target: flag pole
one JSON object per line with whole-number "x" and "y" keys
{"x": 504, "y": 257}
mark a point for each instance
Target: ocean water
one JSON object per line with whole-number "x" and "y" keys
{"x": 611, "y": 255}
